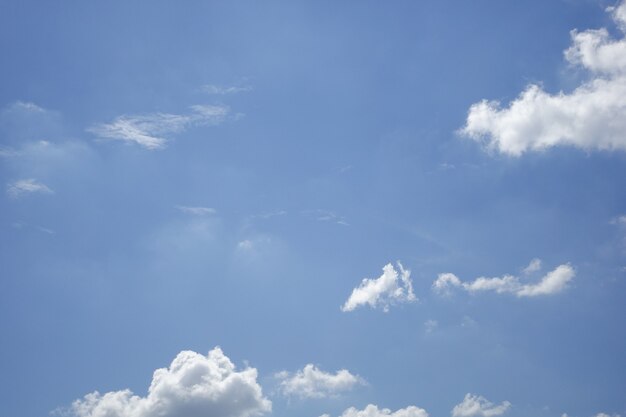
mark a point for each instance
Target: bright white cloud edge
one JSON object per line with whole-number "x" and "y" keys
{"x": 553, "y": 282}
{"x": 392, "y": 287}
{"x": 372, "y": 410}
{"x": 592, "y": 117}
{"x": 193, "y": 385}
{"x": 311, "y": 382}
{"x": 478, "y": 406}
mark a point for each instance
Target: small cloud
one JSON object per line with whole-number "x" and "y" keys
{"x": 245, "y": 244}
{"x": 193, "y": 385}
{"x": 149, "y": 130}
{"x": 552, "y": 283}
{"x": 326, "y": 216}
{"x": 197, "y": 211}
{"x": 430, "y": 325}
{"x": 372, "y": 410}
{"x": 478, "y": 406}
{"x": 533, "y": 266}
{"x": 28, "y": 106}
{"x": 311, "y": 382}
{"x": 19, "y": 188}
{"x": 390, "y": 288}
{"x": 225, "y": 90}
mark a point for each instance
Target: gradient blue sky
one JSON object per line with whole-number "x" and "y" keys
{"x": 185, "y": 175}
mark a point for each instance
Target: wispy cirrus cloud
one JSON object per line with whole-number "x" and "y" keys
{"x": 20, "y": 188}
{"x": 478, "y": 406}
{"x": 193, "y": 385}
{"x": 196, "y": 210}
{"x": 553, "y": 282}
{"x": 150, "y": 130}
{"x": 311, "y": 382}
{"x": 225, "y": 89}
{"x": 592, "y": 117}
{"x": 392, "y": 287}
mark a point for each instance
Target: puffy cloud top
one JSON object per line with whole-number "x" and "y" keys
{"x": 591, "y": 117}
{"x": 478, "y": 406}
{"x": 390, "y": 288}
{"x": 311, "y": 382}
{"x": 194, "y": 385}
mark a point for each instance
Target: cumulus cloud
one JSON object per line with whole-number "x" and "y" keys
{"x": 553, "y": 282}
{"x": 373, "y": 411}
{"x": 149, "y": 130}
{"x": 604, "y": 414}
{"x": 478, "y": 406}
{"x": 388, "y": 289}
{"x": 197, "y": 211}
{"x": 592, "y": 117}
{"x": 311, "y": 382}
{"x": 194, "y": 385}
{"x": 19, "y": 188}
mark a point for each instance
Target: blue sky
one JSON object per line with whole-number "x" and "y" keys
{"x": 350, "y": 209}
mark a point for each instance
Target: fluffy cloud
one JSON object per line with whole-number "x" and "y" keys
{"x": 373, "y": 411}
{"x": 388, "y": 289}
{"x": 147, "y": 130}
{"x": 478, "y": 406}
{"x": 19, "y": 188}
{"x": 592, "y": 117}
{"x": 312, "y": 382}
{"x": 194, "y": 385}
{"x": 551, "y": 283}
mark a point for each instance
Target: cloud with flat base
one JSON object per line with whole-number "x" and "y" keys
{"x": 592, "y": 117}
{"x": 193, "y": 385}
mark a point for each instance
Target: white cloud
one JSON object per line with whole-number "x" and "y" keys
{"x": 197, "y": 211}
{"x": 148, "y": 130}
{"x": 592, "y": 117}
{"x": 311, "y": 382}
{"x": 533, "y": 266}
{"x": 445, "y": 282}
{"x": 390, "y": 288}
{"x": 478, "y": 406}
{"x": 224, "y": 90}
{"x": 604, "y": 414}
{"x": 19, "y": 188}
{"x": 373, "y": 411}
{"x": 551, "y": 283}
{"x": 194, "y": 385}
